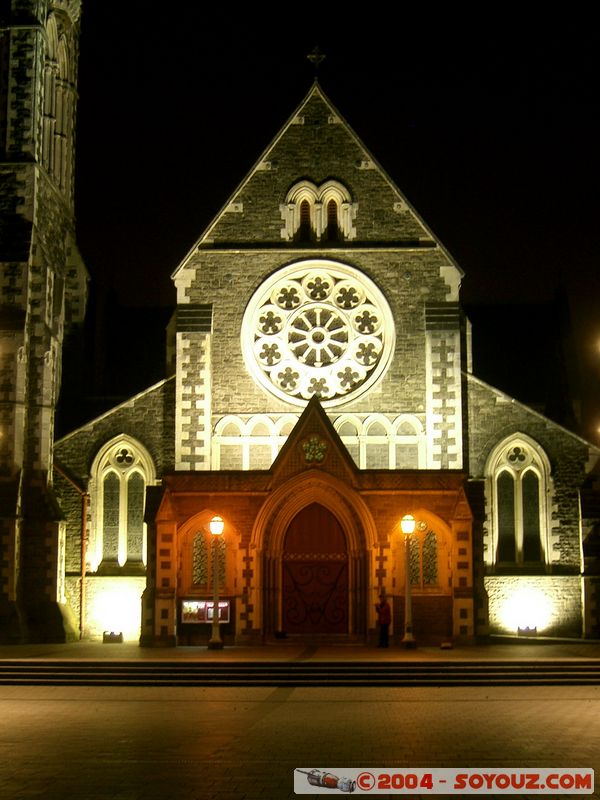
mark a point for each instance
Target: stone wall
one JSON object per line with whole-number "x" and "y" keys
{"x": 543, "y": 605}
{"x": 493, "y": 416}
{"x": 148, "y": 417}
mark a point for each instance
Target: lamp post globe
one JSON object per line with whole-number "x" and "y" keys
{"x": 216, "y": 526}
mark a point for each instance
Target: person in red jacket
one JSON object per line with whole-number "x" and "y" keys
{"x": 384, "y": 618}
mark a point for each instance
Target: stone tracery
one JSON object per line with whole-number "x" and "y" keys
{"x": 317, "y": 328}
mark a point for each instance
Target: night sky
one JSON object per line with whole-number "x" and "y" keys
{"x": 489, "y": 128}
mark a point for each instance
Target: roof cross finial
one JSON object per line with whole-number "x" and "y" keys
{"x": 315, "y": 58}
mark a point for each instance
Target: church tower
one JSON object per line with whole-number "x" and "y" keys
{"x": 43, "y": 286}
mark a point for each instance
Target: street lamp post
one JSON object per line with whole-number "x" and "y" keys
{"x": 407, "y": 524}
{"x": 216, "y": 528}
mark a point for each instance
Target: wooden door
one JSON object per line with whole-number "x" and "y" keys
{"x": 315, "y": 574}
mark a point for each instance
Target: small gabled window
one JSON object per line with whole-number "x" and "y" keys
{"x": 322, "y": 213}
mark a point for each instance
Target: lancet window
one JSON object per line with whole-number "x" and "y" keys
{"x": 518, "y": 482}
{"x": 322, "y": 213}
{"x": 120, "y": 474}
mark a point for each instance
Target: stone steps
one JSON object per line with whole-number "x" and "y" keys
{"x": 291, "y": 674}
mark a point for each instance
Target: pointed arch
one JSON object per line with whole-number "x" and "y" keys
{"x": 59, "y": 102}
{"x": 518, "y": 488}
{"x": 430, "y": 554}
{"x": 324, "y": 212}
{"x": 315, "y": 574}
{"x": 195, "y": 546}
{"x": 120, "y": 472}
{"x": 313, "y": 487}
{"x": 268, "y": 543}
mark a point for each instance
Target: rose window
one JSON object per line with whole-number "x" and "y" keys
{"x": 317, "y": 328}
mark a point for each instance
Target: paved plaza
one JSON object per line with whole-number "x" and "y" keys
{"x": 132, "y": 743}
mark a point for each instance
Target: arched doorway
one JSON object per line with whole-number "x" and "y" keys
{"x": 315, "y": 574}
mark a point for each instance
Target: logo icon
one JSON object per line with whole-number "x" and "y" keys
{"x": 365, "y": 781}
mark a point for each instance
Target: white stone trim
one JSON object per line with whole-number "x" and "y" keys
{"x": 102, "y": 466}
{"x": 536, "y": 461}
{"x": 272, "y": 327}
{"x": 318, "y": 198}
{"x": 245, "y": 439}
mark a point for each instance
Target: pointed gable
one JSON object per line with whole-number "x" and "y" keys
{"x": 316, "y": 150}
{"x": 313, "y": 444}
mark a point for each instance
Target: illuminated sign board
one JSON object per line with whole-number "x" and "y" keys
{"x": 197, "y": 611}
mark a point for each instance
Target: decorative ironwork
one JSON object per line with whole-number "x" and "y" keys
{"x": 414, "y": 560}
{"x": 315, "y": 557}
{"x": 201, "y": 572}
{"x": 199, "y": 560}
{"x": 315, "y": 58}
{"x": 430, "y": 559}
{"x": 423, "y": 555}
{"x": 316, "y": 595}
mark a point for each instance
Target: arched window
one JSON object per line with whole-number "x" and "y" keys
{"x": 378, "y": 442}
{"x": 430, "y": 557}
{"x": 250, "y": 443}
{"x": 424, "y": 559}
{"x": 202, "y": 560}
{"x": 59, "y": 103}
{"x": 197, "y": 557}
{"x": 348, "y": 428}
{"x": 318, "y": 213}
{"x": 304, "y": 229}
{"x": 332, "y": 232}
{"x": 409, "y": 443}
{"x": 120, "y": 474}
{"x": 518, "y": 478}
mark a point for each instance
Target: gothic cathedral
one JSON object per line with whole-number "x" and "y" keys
{"x": 320, "y": 392}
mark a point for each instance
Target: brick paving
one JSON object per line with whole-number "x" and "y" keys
{"x": 144, "y": 743}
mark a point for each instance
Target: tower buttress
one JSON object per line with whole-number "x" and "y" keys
{"x": 43, "y": 289}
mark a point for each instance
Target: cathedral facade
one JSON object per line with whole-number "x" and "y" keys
{"x": 320, "y": 390}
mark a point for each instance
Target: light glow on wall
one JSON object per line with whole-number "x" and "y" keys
{"x": 527, "y": 608}
{"x": 116, "y": 609}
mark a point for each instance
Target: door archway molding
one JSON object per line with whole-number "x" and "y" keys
{"x": 268, "y": 537}
{"x": 291, "y": 497}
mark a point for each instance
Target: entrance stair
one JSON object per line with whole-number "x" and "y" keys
{"x": 298, "y": 674}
